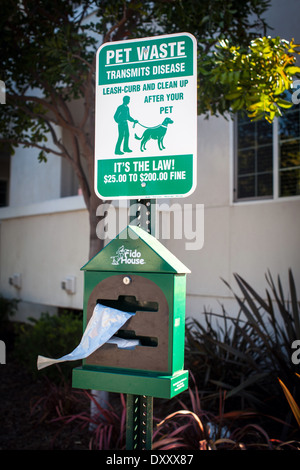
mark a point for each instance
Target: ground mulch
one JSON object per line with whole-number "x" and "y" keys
{"x": 23, "y": 424}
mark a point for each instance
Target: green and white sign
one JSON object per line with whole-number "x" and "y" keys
{"x": 146, "y": 118}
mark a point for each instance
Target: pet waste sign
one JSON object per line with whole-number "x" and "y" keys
{"x": 146, "y": 118}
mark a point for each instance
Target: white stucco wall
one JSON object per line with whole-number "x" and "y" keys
{"x": 45, "y": 244}
{"x": 32, "y": 181}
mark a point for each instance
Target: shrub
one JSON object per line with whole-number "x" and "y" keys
{"x": 245, "y": 355}
{"x": 57, "y": 399}
{"x": 51, "y": 336}
{"x": 8, "y": 308}
{"x": 106, "y": 426}
{"x": 192, "y": 428}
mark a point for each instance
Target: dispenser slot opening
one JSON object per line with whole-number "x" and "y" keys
{"x": 149, "y": 341}
{"x": 128, "y": 303}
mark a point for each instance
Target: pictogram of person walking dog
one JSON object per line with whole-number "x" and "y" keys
{"x": 122, "y": 116}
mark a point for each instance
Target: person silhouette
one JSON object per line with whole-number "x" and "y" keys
{"x": 122, "y": 116}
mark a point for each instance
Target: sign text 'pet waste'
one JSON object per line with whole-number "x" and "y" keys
{"x": 146, "y": 118}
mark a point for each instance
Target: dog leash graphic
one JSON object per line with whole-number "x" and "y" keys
{"x": 149, "y": 127}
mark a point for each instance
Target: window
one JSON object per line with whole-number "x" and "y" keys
{"x": 3, "y": 193}
{"x": 4, "y": 178}
{"x": 289, "y": 153}
{"x": 267, "y": 157}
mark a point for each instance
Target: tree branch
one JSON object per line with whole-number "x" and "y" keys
{"x": 76, "y": 56}
{"x": 89, "y": 105}
{"x": 58, "y": 143}
{"x": 116, "y": 26}
{"x": 29, "y": 143}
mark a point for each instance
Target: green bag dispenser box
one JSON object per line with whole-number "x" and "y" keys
{"x": 136, "y": 273}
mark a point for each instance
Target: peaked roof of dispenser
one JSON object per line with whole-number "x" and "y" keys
{"x": 135, "y": 250}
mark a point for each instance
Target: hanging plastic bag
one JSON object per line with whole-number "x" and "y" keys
{"x": 102, "y": 326}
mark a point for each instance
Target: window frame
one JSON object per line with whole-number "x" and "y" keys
{"x": 234, "y": 173}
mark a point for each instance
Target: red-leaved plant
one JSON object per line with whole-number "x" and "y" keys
{"x": 196, "y": 429}
{"x": 106, "y": 426}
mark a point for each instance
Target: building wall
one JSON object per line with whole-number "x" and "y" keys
{"x": 32, "y": 181}
{"x": 45, "y": 244}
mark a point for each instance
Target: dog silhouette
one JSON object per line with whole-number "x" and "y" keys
{"x": 157, "y": 133}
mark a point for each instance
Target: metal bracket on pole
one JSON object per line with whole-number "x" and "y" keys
{"x": 139, "y": 426}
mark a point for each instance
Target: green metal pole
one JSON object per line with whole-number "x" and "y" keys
{"x": 144, "y": 215}
{"x": 139, "y": 423}
{"x": 139, "y": 408}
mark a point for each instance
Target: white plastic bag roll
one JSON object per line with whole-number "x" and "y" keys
{"x": 103, "y": 324}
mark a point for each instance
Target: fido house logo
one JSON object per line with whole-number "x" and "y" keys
{"x": 125, "y": 256}
{"x": 146, "y": 118}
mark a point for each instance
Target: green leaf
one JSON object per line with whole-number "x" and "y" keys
{"x": 233, "y": 95}
{"x": 292, "y": 69}
{"x": 42, "y": 157}
{"x": 284, "y": 103}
